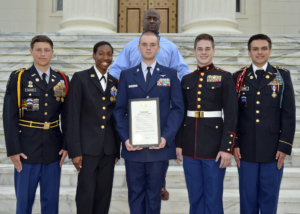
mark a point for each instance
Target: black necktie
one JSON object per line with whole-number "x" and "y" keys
{"x": 259, "y": 73}
{"x": 148, "y": 77}
{"x": 103, "y": 77}
{"x": 44, "y": 79}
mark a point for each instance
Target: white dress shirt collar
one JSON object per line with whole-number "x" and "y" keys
{"x": 255, "y": 68}
{"x": 102, "y": 82}
{"x": 41, "y": 73}
{"x": 145, "y": 70}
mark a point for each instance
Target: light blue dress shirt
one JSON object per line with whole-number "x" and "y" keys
{"x": 168, "y": 56}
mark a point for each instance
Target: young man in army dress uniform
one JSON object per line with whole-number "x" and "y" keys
{"x": 33, "y": 102}
{"x": 204, "y": 139}
{"x": 266, "y": 128}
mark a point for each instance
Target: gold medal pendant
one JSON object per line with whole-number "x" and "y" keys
{"x": 57, "y": 99}
{"x": 274, "y": 95}
{"x": 115, "y": 98}
{"x": 111, "y": 98}
{"x": 62, "y": 99}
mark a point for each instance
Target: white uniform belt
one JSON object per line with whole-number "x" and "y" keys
{"x": 203, "y": 114}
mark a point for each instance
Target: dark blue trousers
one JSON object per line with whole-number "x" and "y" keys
{"x": 26, "y": 182}
{"x": 144, "y": 181}
{"x": 204, "y": 180}
{"x": 259, "y": 187}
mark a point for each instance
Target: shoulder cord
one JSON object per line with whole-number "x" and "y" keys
{"x": 281, "y": 97}
{"x": 240, "y": 80}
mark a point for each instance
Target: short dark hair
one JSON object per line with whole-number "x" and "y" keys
{"x": 41, "y": 38}
{"x": 97, "y": 45}
{"x": 150, "y": 33}
{"x": 204, "y": 36}
{"x": 259, "y": 37}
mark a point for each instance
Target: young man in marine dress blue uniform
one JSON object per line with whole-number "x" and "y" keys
{"x": 204, "y": 140}
{"x": 266, "y": 128}
{"x": 168, "y": 56}
{"x": 34, "y": 100}
{"x": 145, "y": 167}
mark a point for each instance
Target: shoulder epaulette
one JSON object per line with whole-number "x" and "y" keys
{"x": 241, "y": 69}
{"x": 221, "y": 70}
{"x": 279, "y": 67}
{"x": 21, "y": 69}
{"x": 58, "y": 71}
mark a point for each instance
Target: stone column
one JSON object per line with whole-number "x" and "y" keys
{"x": 210, "y": 16}
{"x": 89, "y": 16}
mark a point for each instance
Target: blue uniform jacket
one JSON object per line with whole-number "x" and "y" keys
{"x": 170, "y": 118}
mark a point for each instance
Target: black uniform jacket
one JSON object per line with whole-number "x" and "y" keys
{"x": 39, "y": 145}
{"x": 263, "y": 126}
{"x": 90, "y": 119}
{"x": 208, "y": 89}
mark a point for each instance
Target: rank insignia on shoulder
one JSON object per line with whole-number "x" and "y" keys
{"x": 113, "y": 93}
{"x": 163, "y": 82}
{"x": 214, "y": 78}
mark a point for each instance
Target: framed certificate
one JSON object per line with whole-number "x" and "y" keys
{"x": 144, "y": 122}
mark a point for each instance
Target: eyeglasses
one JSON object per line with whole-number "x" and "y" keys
{"x": 155, "y": 19}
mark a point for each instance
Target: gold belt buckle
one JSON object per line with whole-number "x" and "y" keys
{"x": 46, "y": 125}
{"x": 199, "y": 114}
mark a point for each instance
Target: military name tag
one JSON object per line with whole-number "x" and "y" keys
{"x": 132, "y": 86}
{"x": 30, "y": 89}
{"x": 245, "y": 88}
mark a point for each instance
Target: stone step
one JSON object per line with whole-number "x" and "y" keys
{"x": 175, "y": 177}
{"x": 177, "y": 204}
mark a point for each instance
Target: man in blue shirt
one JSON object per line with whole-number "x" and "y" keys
{"x": 168, "y": 56}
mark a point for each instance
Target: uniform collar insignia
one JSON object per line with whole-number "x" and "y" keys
{"x": 53, "y": 75}
{"x": 92, "y": 75}
{"x": 33, "y": 75}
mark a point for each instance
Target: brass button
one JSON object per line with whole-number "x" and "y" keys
{"x": 103, "y": 98}
{"x": 257, "y": 102}
{"x": 200, "y": 86}
{"x": 244, "y": 93}
{"x": 217, "y": 127}
{"x": 103, "y": 117}
{"x": 187, "y": 87}
{"x": 46, "y": 113}
{"x": 103, "y": 108}
{"x": 199, "y": 92}
{"x": 257, "y": 120}
{"x": 102, "y": 127}
{"x": 202, "y": 74}
{"x": 29, "y": 94}
{"x": 228, "y": 150}
{"x": 184, "y": 125}
{"x": 37, "y": 79}
{"x": 257, "y": 111}
{"x": 258, "y": 93}
{"x": 199, "y": 106}
{"x": 20, "y": 131}
{"x": 267, "y": 77}
{"x": 52, "y": 80}
{"x": 212, "y": 87}
{"x": 231, "y": 135}
{"x": 46, "y": 104}
{"x": 201, "y": 79}
{"x": 230, "y": 142}
{"x": 199, "y": 99}
{"x": 46, "y": 95}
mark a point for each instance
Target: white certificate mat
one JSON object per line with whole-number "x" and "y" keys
{"x": 144, "y": 122}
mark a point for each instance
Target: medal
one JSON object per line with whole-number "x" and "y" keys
{"x": 244, "y": 101}
{"x": 274, "y": 87}
{"x": 113, "y": 92}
